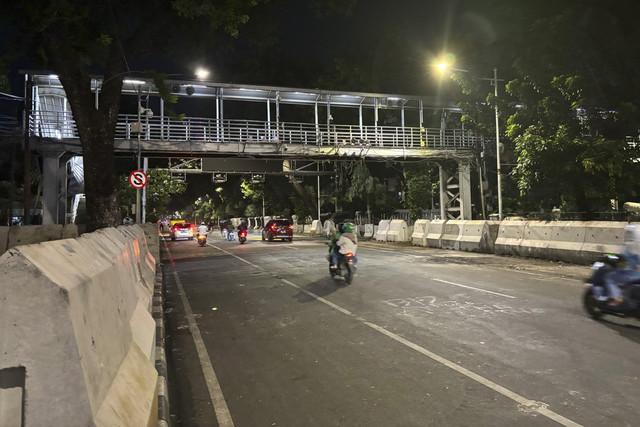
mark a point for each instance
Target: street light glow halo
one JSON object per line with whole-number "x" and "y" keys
{"x": 202, "y": 73}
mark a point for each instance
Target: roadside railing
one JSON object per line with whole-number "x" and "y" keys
{"x": 60, "y": 125}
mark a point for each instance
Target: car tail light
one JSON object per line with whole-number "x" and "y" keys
{"x": 193, "y": 227}
{"x": 273, "y": 227}
{"x": 291, "y": 226}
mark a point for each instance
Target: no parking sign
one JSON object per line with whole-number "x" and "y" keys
{"x": 137, "y": 179}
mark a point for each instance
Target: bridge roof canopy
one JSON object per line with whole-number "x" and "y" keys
{"x": 257, "y": 93}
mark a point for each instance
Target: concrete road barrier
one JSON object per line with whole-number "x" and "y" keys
{"x": 536, "y": 236}
{"x": 76, "y": 316}
{"x": 398, "y": 231}
{"x": 566, "y": 241}
{"x": 316, "y": 228}
{"x": 10, "y": 237}
{"x": 434, "y": 233}
{"x": 451, "y": 231}
{"x": 510, "y": 235}
{"x": 478, "y": 236}
{"x": 602, "y": 237}
{"x": 368, "y": 231}
{"x": 383, "y": 229}
{"x": 419, "y": 235}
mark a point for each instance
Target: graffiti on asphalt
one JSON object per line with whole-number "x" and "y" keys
{"x": 427, "y": 305}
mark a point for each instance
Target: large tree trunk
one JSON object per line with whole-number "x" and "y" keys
{"x": 96, "y": 127}
{"x": 308, "y": 199}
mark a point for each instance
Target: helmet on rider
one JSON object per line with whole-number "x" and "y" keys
{"x": 348, "y": 227}
{"x": 202, "y": 223}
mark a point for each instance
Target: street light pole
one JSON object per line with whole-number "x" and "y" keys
{"x": 495, "y": 87}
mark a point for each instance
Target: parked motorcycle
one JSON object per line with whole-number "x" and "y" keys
{"x": 202, "y": 239}
{"x": 345, "y": 270}
{"x": 242, "y": 236}
{"x": 595, "y": 297}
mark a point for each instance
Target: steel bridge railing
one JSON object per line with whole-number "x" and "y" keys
{"x": 60, "y": 125}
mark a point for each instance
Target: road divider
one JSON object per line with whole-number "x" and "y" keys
{"x": 76, "y": 315}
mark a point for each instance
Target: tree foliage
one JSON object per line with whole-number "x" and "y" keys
{"x": 572, "y": 102}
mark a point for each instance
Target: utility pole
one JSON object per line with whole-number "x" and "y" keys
{"x": 27, "y": 155}
{"x": 495, "y": 87}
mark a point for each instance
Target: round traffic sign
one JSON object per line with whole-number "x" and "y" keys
{"x": 137, "y": 179}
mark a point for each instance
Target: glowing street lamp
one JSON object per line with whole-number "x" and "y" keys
{"x": 443, "y": 66}
{"x": 202, "y": 73}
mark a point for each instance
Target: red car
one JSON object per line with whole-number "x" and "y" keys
{"x": 278, "y": 229}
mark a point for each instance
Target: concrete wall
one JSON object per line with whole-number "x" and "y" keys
{"x": 76, "y": 316}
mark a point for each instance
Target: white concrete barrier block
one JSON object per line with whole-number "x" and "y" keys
{"x": 451, "y": 231}
{"x": 478, "y": 236}
{"x": 28, "y": 234}
{"x": 566, "y": 241}
{"x": 368, "y": 231}
{"x": 383, "y": 229}
{"x": 419, "y": 235}
{"x": 398, "y": 231}
{"x": 72, "y": 304}
{"x": 535, "y": 239}
{"x": 134, "y": 383}
{"x": 434, "y": 233}
{"x": 602, "y": 237}
{"x": 510, "y": 235}
{"x": 316, "y": 228}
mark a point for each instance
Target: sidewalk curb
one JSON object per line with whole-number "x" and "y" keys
{"x": 162, "y": 387}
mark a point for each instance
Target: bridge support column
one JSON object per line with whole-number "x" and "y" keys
{"x": 53, "y": 178}
{"x": 464, "y": 181}
{"x": 455, "y": 190}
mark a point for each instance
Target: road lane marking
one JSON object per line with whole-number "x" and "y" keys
{"x": 471, "y": 287}
{"x": 539, "y": 407}
{"x": 215, "y": 392}
{"x": 523, "y": 402}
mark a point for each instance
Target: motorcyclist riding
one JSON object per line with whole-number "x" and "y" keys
{"x": 202, "y": 229}
{"x": 631, "y": 270}
{"x": 347, "y": 242}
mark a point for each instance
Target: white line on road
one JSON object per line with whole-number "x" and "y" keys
{"x": 471, "y": 287}
{"x": 534, "y": 406}
{"x": 215, "y": 392}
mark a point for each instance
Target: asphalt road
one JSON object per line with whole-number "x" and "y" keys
{"x": 260, "y": 335}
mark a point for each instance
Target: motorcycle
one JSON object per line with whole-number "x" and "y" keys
{"x": 595, "y": 298}
{"x": 242, "y": 236}
{"x": 202, "y": 239}
{"x": 345, "y": 269}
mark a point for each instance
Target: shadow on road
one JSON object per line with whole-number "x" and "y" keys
{"x": 321, "y": 287}
{"x": 626, "y": 330}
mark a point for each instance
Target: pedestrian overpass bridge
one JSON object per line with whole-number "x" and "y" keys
{"x": 290, "y": 129}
